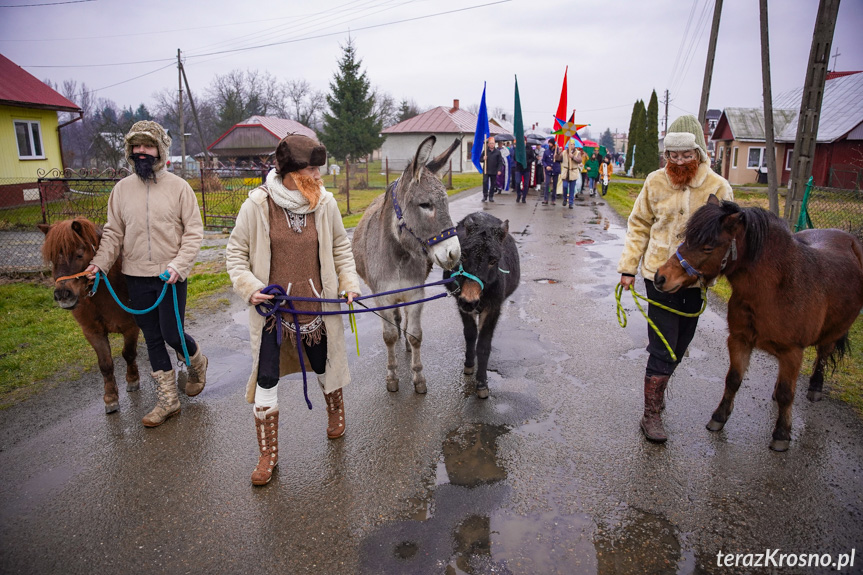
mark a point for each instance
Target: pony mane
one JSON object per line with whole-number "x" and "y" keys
{"x": 705, "y": 226}
{"x": 62, "y": 240}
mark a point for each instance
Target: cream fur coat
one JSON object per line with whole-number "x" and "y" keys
{"x": 656, "y": 225}
{"x": 248, "y": 263}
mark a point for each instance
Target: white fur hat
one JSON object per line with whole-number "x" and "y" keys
{"x": 685, "y": 133}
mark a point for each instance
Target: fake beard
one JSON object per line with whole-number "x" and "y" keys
{"x": 681, "y": 174}
{"x": 144, "y": 166}
{"x": 309, "y": 187}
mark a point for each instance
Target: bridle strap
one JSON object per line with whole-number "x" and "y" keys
{"x": 444, "y": 235}
{"x": 687, "y": 267}
{"x": 461, "y": 272}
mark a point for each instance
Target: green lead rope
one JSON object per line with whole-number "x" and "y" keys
{"x": 621, "y": 313}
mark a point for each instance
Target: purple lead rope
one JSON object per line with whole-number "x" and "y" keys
{"x": 275, "y": 308}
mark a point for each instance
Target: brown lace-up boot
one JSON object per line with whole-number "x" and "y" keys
{"x": 267, "y": 431}
{"x": 335, "y": 409}
{"x": 197, "y": 372}
{"x": 167, "y": 403}
{"x": 654, "y": 392}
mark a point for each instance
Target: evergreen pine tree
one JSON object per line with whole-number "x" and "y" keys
{"x": 351, "y": 129}
{"x": 651, "y": 135}
{"x": 638, "y": 163}
{"x": 607, "y": 140}
{"x": 630, "y": 137}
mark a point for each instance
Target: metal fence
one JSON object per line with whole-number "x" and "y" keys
{"x": 832, "y": 208}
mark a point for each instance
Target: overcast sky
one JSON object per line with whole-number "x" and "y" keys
{"x": 434, "y": 51}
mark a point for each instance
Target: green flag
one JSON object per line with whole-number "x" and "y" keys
{"x": 518, "y": 126}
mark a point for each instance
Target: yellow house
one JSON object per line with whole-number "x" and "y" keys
{"x": 29, "y": 131}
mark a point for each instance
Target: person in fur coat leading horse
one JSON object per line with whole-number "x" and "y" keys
{"x": 289, "y": 232}
{"x": 655, "y": 228}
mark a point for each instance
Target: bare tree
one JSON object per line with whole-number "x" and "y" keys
{"x": 385, "y": 108}
{"x": 240, "y": 94}
{"x": 304, "y": 104}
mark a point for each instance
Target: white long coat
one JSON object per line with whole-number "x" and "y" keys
{"x": 248, "y": 263}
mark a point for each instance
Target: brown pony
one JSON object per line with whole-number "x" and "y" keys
{"x": 69, "y": 246}
{"x": 789, "y": 292}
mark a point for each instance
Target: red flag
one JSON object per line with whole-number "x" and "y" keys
{"x": 561, "y": 111}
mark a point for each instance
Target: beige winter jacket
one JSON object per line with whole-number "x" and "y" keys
{"x": 154, "y": 224}
{"x": 570, "y": 169}
{"x": 248, "y": 262}
{"x": 656, "y": 225}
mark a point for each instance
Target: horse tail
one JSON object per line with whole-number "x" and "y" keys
{"x": 843, "y": 346}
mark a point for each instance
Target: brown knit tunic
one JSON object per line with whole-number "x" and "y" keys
{"x": 294, "y": 265}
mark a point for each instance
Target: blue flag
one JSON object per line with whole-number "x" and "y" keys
{"x": 481, "y": 133}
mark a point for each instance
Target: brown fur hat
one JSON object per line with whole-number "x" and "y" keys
{"x": 296, "y": 152}
{"x": 149, "y": 133}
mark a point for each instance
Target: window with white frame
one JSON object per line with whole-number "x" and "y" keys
{"x": 755, "y": 159}
{"x": 28, "y": 133}
{"x": 788, "y": 159}
{"x": 734, "y": 157}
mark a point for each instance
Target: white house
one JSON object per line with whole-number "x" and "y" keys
{"x": 443, "y": 122}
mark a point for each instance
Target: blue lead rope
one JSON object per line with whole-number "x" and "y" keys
{"x": 164, "y": 276}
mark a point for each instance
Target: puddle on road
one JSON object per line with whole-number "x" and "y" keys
{"x": 470, "y": 456}
{"x": 546, "y": 281}
{"x": 641, "y": 542}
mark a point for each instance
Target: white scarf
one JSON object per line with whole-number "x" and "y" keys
{"x": 291, "y": 200}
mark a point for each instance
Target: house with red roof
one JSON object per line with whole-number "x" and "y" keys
{"x": 29, "y": 132}
{"x": 838, "y": 162}
{"x": 443, "y": 122}
{"x": 254, "y": 140}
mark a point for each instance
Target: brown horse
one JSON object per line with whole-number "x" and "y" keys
{"x": 69, "y": 246}
{"x": 789, "y": 292}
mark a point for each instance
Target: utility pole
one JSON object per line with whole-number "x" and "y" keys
{"x": 195, "y": 114}
{"x": 708, "y": 68}
{"x": 770, "y": 150}
{"x": 665, "y": 118}
{"x": 810, "y": 107}
{"x": 182, "y": 129}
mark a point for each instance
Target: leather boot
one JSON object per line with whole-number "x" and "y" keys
{"x": 267, "y": 432}
{"x": 197, "y": 372}
{"x": 335, "y": 409}
{"x": 168, "y": 403}
{"x": 651, "y": 423}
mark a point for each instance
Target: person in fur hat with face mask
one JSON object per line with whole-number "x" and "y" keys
{"x": 289, "y": 232}
{"x": 154, "y": 221}
{"x": 654, "y": 231}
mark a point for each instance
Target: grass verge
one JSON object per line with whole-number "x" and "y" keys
{"x": 39, "y": 340}
{"x": 846, "y": 383}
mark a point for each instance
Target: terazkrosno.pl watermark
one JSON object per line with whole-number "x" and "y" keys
{"x": 775, "y": 558}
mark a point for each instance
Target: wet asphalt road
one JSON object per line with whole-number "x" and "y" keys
{"x": 549, "y": 475}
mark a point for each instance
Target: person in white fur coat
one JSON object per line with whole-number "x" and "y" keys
{"x": 654, "y": 231}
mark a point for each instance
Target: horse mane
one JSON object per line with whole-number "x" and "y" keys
{"x": 705, "y": 225}
{"x": 62, "y": 240}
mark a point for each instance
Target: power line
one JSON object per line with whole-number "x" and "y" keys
{"x": 291, "y": 41}
{"x": 43, "y": 4}
{"x": 97, "y": 65}
{"x": 130, "y": 79}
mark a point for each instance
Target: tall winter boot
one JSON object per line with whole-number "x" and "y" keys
{"x": 654, "y": 402}
{"x": 197, "y": 372}
{"x": 168, "y": 403}
{"x": 267, "y": 431}
{"x": 335, "y": 410}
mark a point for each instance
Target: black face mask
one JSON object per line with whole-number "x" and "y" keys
{"x": 144, "y": 166}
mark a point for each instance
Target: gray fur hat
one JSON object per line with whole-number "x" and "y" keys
{"x": 149, "y": 133}
{"x": 685, "y": 133}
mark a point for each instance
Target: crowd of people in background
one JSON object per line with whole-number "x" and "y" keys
{"x": 571, "y": 170}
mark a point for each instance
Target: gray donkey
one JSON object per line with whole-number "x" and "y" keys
{"x": 402, "y": 234}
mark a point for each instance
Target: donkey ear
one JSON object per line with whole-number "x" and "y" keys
{"x": 422, "y": 157}
{"x": 437, "y": 165}
{"x": 44, "y": 228}
{"x": 713, "y": 199}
